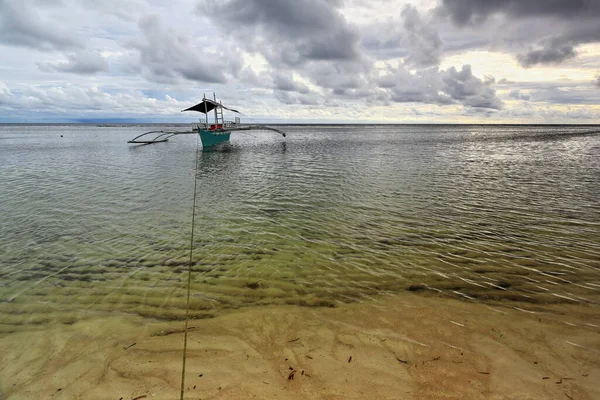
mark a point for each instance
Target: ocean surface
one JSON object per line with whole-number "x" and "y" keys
{"x": 90, "y": 225}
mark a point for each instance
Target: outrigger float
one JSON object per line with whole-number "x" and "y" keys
{"x": 211, "y": 134}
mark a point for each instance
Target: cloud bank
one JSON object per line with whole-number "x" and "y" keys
{"x": 330, "y": 60}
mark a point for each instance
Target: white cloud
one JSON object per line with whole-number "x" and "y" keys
{"x": 307, "y": 59}
{"x": 84, "y": 62}
{"x": 168, "y": 56}
{"x": 22, "y": 25}
{"x": 517, "y": 95}
{"x": 440, "y": 87}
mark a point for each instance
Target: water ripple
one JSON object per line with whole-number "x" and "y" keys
{"x": 506, "y": 215}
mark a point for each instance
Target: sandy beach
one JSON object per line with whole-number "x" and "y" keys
{"x": 405, "y": 346}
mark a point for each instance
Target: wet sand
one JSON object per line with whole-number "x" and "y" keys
{"x": 406, "y": 346}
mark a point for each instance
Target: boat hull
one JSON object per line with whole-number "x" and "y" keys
{"x": 209, "y": 138}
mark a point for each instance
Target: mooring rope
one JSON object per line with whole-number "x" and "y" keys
{"x": 189, "y": 279}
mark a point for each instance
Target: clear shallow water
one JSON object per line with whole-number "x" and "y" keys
{"x": 507, "y": 215}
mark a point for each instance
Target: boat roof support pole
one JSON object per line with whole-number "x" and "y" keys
{"x": 216, "y": 117}
{"x": 222, "y": 117}
{"x": 205, "y": 110}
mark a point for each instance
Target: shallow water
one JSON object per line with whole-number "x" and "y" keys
{"x": 506, "y": 215}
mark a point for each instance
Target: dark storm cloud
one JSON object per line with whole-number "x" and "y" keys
{"x": 551, "y": 30}
{"x": 424, "y": 43}
{"x": 420, "y": 87}
{"x": 383, "y": 48}
{"x": 442, "y": 87}
{"x": 563, "y": 46}
{"x": 291, "y": 32}
{"x": 469, "y": 90}
{"x": 165, "y": 56}
{"x": 409, "y": 34}
{"x": 314, "y": 40}
{"x": 550, "y": 54}
{"x": 296, "y": 98}
{"x": 350, "y": 75}
{"x": 476, "y": 11}
{"x": 21, "y": 25}
{"x": 83, "y": 63}
{"x": 285, "y": 82}
{"x": 310, "y": 39}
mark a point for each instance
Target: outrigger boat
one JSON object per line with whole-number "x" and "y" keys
{"x": 211, "y": 134}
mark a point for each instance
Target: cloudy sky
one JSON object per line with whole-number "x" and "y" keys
{"x": 433, "y": 61}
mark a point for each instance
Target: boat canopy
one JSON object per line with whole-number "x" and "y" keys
{"x": 207, "y": 105}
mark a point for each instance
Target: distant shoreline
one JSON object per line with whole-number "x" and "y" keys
{"x": 123, "y": 124}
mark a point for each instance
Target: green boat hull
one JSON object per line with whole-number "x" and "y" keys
{"x": 210, "y": 138}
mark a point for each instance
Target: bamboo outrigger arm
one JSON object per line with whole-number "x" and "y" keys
{"x": 257, "y": 128}
{"x": 162, "y": 136}
{"x": 268, "y": 128}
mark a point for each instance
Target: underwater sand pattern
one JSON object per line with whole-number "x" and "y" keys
{"x": 505, "y": 216}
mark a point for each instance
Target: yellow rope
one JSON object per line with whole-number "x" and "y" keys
{"x": 189, "y": 280}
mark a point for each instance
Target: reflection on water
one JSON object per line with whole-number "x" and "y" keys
{"x": 506, "y": 215}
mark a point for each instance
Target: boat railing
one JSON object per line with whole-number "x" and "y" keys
{"x": 213, "y": 126}
{"x": 229, "y": 124}
{"x": 198, "y": 125}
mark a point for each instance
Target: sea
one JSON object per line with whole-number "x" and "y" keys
{"x": 505, "y": 215}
